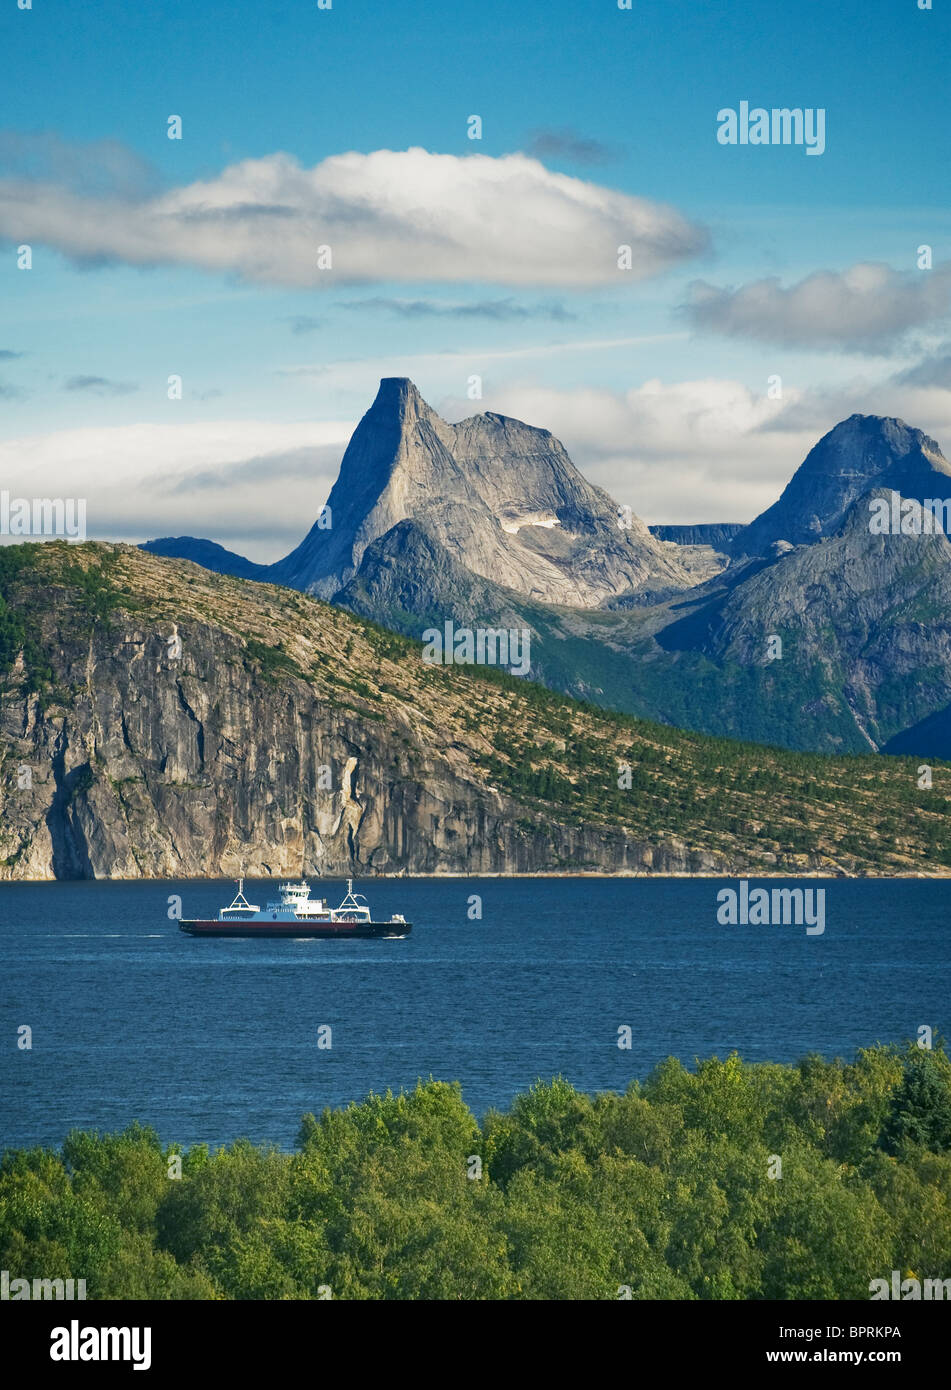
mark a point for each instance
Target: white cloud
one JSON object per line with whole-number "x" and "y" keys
{"x": 924, "y": 406}
{"x": 868, "y": 308}
{"x": 389, "y": 215}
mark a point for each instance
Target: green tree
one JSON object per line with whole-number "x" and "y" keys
{"x": 920, "y": 1111}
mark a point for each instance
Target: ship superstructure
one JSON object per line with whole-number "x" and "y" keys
{"x": 295, "y": 913}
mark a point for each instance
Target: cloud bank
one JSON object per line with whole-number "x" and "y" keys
{"x": 868, "y": 308}
{"x": 253, "y": 485}
{"x": 390, "y": 215}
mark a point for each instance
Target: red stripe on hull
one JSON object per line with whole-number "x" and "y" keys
{"x": 296, "y": 929}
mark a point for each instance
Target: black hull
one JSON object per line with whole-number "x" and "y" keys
{"x": 335, "y": 931}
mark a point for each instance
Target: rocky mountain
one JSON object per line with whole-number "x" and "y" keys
{"x": 503, "y": 498}
{"x": 159, "y": 720}
{"x": 860, "y": 454}
{"x": 409, "y": 578}
{"x": 864, "y": 622}
{"x": 470, "y": 523}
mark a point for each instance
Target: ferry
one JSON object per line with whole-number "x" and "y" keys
{"x": 296, "y": 914}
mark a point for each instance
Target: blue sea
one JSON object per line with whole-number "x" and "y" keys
{"x": 210, "y": 1040}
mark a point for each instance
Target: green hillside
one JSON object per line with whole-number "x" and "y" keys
{"x": 83, "y": 632}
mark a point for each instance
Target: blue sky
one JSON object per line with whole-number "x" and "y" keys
{"x": 659, "y": 401}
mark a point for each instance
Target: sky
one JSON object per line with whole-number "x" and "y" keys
{"x": 770, "y": 292}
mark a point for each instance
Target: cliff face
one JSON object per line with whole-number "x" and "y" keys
{"x": 148, "y": 756}
{"x": 165, "y": 772}
{"x": 157, "y": 720}
{"x": 865, "y": 620}
{"x": 717, "y": 535}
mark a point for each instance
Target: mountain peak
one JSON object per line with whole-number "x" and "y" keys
{"x": 502, "y": 497}
{"x": 897, "y": 432}
{"x": 858, "y": 454}
{"x": 399, "y": 391}
{"x": 398, "y": 400}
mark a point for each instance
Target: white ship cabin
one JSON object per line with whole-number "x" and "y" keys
{"x": 296, "y": 897}
{"x": 296, "y": 905}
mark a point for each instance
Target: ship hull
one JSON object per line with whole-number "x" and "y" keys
{"x": 295, "y": 930}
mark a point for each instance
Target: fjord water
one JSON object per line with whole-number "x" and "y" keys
{"x": 209, "y": 1040}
